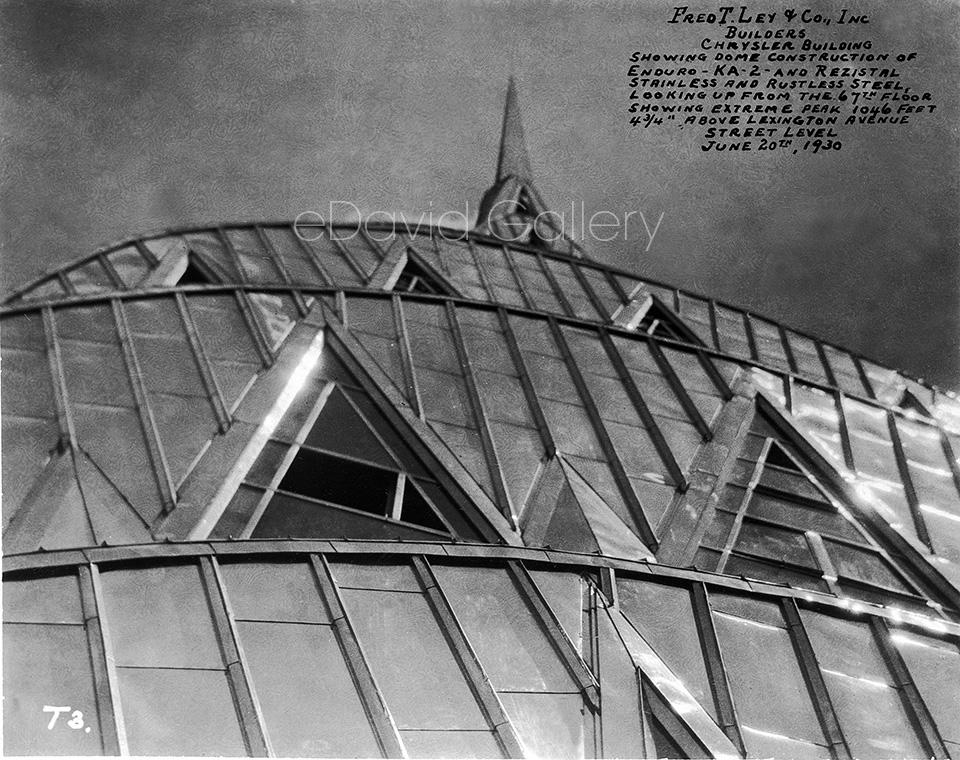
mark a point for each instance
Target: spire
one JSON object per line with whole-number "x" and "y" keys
{"x": 512, "y": 209}
{"x": 513, "y": 159}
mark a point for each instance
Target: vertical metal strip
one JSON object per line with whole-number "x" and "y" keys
{"x": 469, "y": 663}
{"x": 787, "y": 349}
{"x": 147, "y": 254}
{"x": 107, "y": 717}
{"x": 148, "y": 424}
{"x": 376, "y": 708}
{"x": 909, "y": 489}
{"x": 714, "y": 331}
{"x": 864, "y": 378}
{"x": 554, "y": 285}
{"x": 260, "y": 341}
{"x": 710, "y": 646}
{"x": 231, "y": 253}
{"x": 58, "y": 379}
{"x": 505, "y": 249}
{"x": 203, "y": 365}
{"x": 751, "y": 339}
{"x": 113, "y": 685}
{"x": 345, "y": 252}
{"x": 111, "y": 271}
{"x": 251, "y": 723}
{"x": 742, "y": 508}
{"x": 844, "y": 432}
{"x": 824, "y": 360}
{"x": 480, "y": 418}
{"x": 312, "y": 257}
{"x": 614, "y": 283}
{"x": 533, "y": 401}
{"x": 481, "y": 270}
{"x": 406, "y": 356}
{"x": 816, "y": 686}
{"x": 281, "y": 266}
{"x": 591, "y": 293}
{"x": 714, "y": 374}
{"x": 606, "y": 444}
{"x": 916, "y": 708}
{"x": 66, "y": 283}
{"x": 550, "y": 625}
{"x": 679, "y": 390}
{"x": 951, "y": 456}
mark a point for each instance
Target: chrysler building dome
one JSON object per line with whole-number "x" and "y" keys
{"x": 301, "y": 488}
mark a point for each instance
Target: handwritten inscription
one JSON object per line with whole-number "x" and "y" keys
{"x": 75, "y": 721}
{"x": 792, "y": 80}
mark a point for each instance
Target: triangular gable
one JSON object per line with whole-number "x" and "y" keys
{"x": 73, "y": 504}
{"x": 340, "y": 477}
{"x": 565, "y": 512}
{"x": 776, "y": 521}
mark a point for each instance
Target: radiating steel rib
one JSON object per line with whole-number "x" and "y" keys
{"x": 636, "y": 398}
{"x": 480, "y": 418}
{"x": 529, "y": 392}
{"x": 550, "y": 625}
{"x": 825, "y": 361}
{"x": 345, "y": 252}
{"x": 481, "y": 270}
{"x": 606, "y": 444}
{"x": 312, "y": 257}
{"x": 907, "y": 479}
{"x": 111, "y": 271}
{"x": 384, "y": 727}
{"x": 203, "y": 364}
{"x": 813, "y": 678}
{"x": 470, "y": 664}
{"x": 591, "y": 294}
{"x": 917, "y": 711}
{"x": 951, "y": 456}
{"x": 521, "y": 287}
{"x": 687, "y": 716}
{"x": 679, "y": 390}
{"x": 864, "y": 378}
{"x": 842, "y": 429}
{"x": 61, "y": 402}
{"x": 716, "y": 674}
{"x": 787, "y": 348}
{"x": 251, "y": 723}
{"x": 281, "y": 266}
{"x": 742, "y": 507}
{"x": 406, "y": 357}
{"x": 148, "y": 425}
{"x": 714, "y": 374}
{"x": 260, "y": 342}
{"x": 714, "y": 330}
{"x": 554, "y": 285}
{"x": 118, "y": 727}
{"x": 751, "y": 338}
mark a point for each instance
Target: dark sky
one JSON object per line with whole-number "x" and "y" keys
{"x": 119, "y": 118}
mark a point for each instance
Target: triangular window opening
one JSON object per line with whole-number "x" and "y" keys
{"x": 775, "y": 522}
{"x": 196, "y": 273}
{"x": 660, "y": 322}
{"x": 912, "y": 403}
{"x": 415, "y": 278}
{"x": 345, "y": 465}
